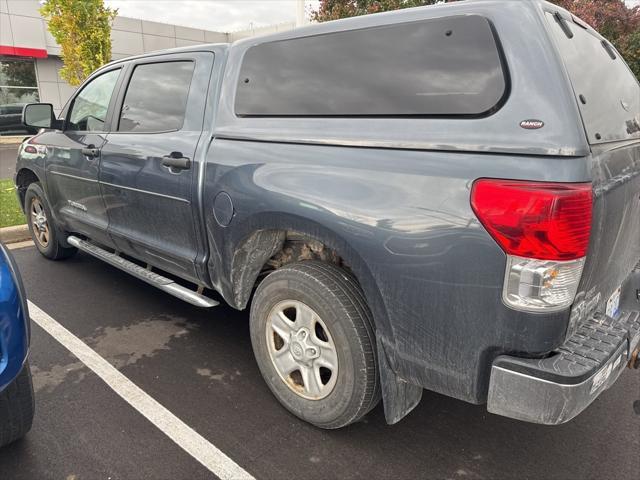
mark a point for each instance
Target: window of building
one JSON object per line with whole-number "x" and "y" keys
{"x": 156, "y": 99}
{"x": 18, "y": 86}
{"x": 447, "y": 66}
{"x": 89, "y": 109}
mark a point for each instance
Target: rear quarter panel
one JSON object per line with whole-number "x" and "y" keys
{"x": 402, "y": 221}
{"x": 614, "y": 248}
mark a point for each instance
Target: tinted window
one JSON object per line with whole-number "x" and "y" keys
{"x": 89, "y": 109}
{"x": 607, "y": 92}
{"x": 156, "y": 99}
{"x": 447, "y": 66}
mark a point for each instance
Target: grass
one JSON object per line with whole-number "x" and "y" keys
{"x": 10, "y": 211}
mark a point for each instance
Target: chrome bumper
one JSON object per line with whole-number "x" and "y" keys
{"x": 553, "y": 390}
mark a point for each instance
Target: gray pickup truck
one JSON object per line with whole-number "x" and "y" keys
{"x": 442, "y": 198}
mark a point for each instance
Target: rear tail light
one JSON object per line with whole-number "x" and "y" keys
{"x": 546, "y": 221}
{"x": 544, "y": 229}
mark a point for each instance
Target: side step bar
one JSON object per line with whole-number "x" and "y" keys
{"x": 163, "y": 283}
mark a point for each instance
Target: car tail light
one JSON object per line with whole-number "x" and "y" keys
{"x": 544, "y": 229}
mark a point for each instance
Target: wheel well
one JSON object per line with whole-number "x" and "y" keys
{"x": 25, "y": 178}
{"x": 298, "y": 247}
{"x": 262, "y": 251}
{"x": 267, "y": 250}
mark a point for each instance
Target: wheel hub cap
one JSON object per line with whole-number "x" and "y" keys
{"x": 302, "y": 348}
{"x": 40, "y": 222}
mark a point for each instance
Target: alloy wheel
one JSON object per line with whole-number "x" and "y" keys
{"x": 302, "y": 350}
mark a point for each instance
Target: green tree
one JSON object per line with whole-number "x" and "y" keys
{"x": 82, "y": 28}
{"x": 631, "y": 52}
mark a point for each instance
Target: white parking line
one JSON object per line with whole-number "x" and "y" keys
{"x": 174, "y": 428}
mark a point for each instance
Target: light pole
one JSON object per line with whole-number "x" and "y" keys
{"x": 301, "y": 17}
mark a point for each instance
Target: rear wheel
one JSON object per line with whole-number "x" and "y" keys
{"x": 17, "y": 407}
{"x": 313, "y": 338}
{"x": 40, "y": 221}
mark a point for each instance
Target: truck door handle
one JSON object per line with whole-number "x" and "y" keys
{"x": 175, "y": 162}
{"x": 91, "y": 152}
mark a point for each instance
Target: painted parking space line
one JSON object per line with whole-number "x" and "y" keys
{"x": 182, "y": 434}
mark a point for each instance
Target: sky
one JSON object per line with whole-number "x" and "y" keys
{"x": 218, "y": 15}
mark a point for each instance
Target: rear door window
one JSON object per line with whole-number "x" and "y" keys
{"x": 606, "y": 90}
{"x": 156, "y": 98}
{"x": 448, "y": 66}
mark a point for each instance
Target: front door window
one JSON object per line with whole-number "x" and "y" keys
{"x": 89, "y": 110}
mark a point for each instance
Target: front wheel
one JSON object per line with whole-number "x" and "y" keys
{"x": 313, "y": 338}
{"x": 40, "y": 221}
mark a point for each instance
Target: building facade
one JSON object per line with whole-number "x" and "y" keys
{"x": 30, "y": 57}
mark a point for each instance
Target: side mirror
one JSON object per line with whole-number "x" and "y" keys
{"x": 38, "y": 115}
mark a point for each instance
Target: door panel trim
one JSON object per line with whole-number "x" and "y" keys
{"x": 68, "y": 175}
{"x": 188, "y": 202}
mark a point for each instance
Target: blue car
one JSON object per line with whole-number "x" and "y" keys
{"x": 16, "y": 390}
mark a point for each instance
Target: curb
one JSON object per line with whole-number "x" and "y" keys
{"x": 12, "y": 140}
{"x": 19, "y": 233}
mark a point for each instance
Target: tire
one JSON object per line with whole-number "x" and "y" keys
{"x": 43, "y": 231}
{"x": 326, "y": 328}
{"x": 17, "y": 407}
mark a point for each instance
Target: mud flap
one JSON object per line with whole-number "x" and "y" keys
{"x": 398, "y": 396}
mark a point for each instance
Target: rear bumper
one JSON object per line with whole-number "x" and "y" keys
{"x": 555, "y": 389}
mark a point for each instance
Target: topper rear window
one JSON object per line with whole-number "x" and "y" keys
{"x": 440, "y": 67}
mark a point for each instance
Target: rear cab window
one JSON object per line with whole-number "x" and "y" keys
{"x": 607, "y": 92}
{"x": 449, "y": 66}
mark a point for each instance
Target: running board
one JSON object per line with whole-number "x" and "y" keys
{"x": 163, "y": 283}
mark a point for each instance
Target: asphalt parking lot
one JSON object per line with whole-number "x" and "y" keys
{"x": 199, "y": 365}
